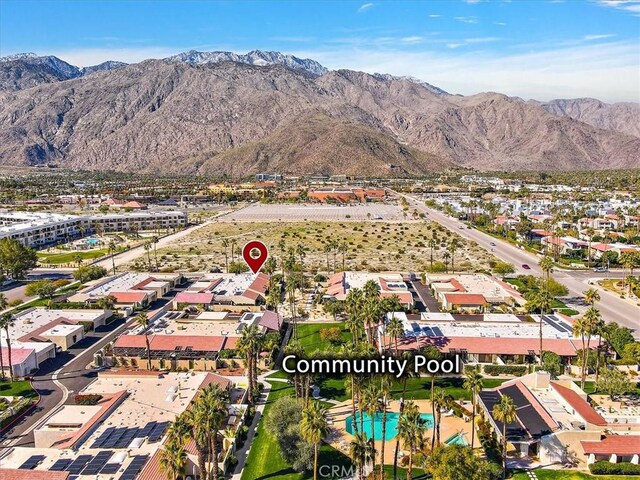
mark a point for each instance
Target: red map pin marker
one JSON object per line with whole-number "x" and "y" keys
{"x": 260, "y": 255}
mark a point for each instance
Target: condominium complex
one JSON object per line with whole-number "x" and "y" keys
{"x": 42, "y": 228}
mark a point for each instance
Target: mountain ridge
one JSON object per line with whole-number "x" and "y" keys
{"x": 236, "y": 118}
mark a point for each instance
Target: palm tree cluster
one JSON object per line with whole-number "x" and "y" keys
{"x": 250, "y": 345}
{"x": 6, "y": 321}
{"x": 200, "y": 423}
{"x": 588, "y": 325}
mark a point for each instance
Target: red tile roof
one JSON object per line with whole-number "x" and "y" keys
{"x": 199, "y": 298}
{"x": 214, "y": 379}
{"x": 465, "y": 299}
{"x": 336, "y": 278}
{"x": 491, "y": 345}
{"x": 153, "y": 469}
{"x": 270, "y": 320}
{"x": 231, "y": 343}
{"x": 15, "y": 474}
{"x": 619, "y": 444}
{"x": 580, "y": 405}
{"x": 129, "y": 297}
{"x": 405, "y": 297}
{"x": 170, "y": 342}
{"x": 18, "y": 355}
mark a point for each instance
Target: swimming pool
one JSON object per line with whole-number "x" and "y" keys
{"x": 392, "y": 424}
{"x": 457, "y": 439}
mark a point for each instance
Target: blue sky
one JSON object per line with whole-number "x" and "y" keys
{"x": 534, "y": 49}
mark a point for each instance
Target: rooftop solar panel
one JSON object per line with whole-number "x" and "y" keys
{"x": 146, "y": 430}
{"x": 95, "y": 465}
{"x": 436, "y": 331}
{"x": 134, "y": 467}
{"x": 78, "y": 464}
{"x": 60, "y": 465}
{"x": 158, "y": 431}
{"x": 32, "y": 462}
{"x": 110, "y": 468}
{"x": 102, "y": 438}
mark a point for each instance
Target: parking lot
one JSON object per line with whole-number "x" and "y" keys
{"x": 316, "y": 212}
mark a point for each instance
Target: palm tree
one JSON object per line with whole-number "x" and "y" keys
{"x": 214, "y": 401}
{"x": 3, "y": 306}
{"x": 473, "y": 383}
{"x": 441, "y": 401}
{"x": 408, "y": 373}
{"x": 225, "y": 245}
{"x": 112, "y": 248}
{"x": 453, "y": 248}
{"x": 591, "y": 296}
{"x": 314, "y": 427}
{"x": 327, "y": 250}
{"x": 273, "y": 297}
{"x": 431, "y": 352}
{"x": 343, "y": 248}
{"x": 395, "y": 330}
{"x": 584, "y": 328}
{"x": 360, "y": 452}
{"x": 142, "y": 320}
{"x": 173, "y": 460}
{"x": 385, "y": 393}
{"x": 250, "y": 344}
{"x": 147, "y": 248}
{"x": 6, "y": 321}
{"x": 411, "y": 429}
{"x": 505, "y": 412}
{"x": 370, "y": 402}
{"x": 291, "y": 296}
{"x": 154, "y": 241}
{"x": 432, "y": 244}
{"x": 546, "y": 264}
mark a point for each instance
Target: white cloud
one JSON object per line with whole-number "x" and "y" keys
{"x": 466, "y": 19}
{"x": 471, "y": 2}
{"x": 598, "y": 36}
{"x": 627, "y": 5}
{"x": 482, "y": 39}
{"x": 365, "y": 6}
{"x": 501, "y": 24}
{"x": 412, "y": 40}
{"x": 607, "y": 71}
{"x": 435, "y": 15}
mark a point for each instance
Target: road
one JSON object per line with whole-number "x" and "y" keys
{"x": 612, "y": 308}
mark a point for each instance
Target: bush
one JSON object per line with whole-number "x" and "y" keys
{"x": 88, "y": 273}
{"x": 606, "y": 468}
{"x": 517, "y": 370}
{"x": 88, "y": 399}
{"x": 331, "y": 335}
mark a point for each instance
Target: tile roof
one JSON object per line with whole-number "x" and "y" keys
{"x": 129, "y": 297}
{"x": 465, "y": 299}
{"x": 196, "y": 342}
{"x": 491, "y": 345}
{"x": 619, "y": 444}
{"x": 153, "y": 469}
{"x": 214, "y": 379}
{"x": 194, "y": 297}
{"x": 16, "y": 474}
{"x": 580, "y": 405}
{"x": 270, "y": 320}
{"x": 18, "y": 355}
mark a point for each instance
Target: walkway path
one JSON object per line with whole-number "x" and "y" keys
{"x": 243, "y": 453}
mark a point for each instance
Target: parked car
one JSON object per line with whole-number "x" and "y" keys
{"x": 526, "y": 267}
{"x": 493, "y": 244}
{"x": 601, "y": 269}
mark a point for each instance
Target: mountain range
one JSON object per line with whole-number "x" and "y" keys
{"x": 227, "y": 114}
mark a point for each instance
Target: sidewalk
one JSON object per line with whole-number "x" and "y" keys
{"x": 243, "y": 452}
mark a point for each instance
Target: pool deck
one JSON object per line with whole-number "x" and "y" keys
{"x": 340, "y": 439}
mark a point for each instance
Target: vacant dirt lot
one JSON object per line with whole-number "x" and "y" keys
{"x": 373, "y": 246}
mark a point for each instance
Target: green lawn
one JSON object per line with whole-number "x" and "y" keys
{"x": 568, "y": 475}
{"x": 590, "y": 387}
{"x": 264, "y": 458}
{"x": 19, "y": 388}
{"x": 333, "y": 387}
{"x": 70, "y": 257}
{"x": 309, "y": 336}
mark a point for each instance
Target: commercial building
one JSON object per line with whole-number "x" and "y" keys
{"x": 245, "y": 289}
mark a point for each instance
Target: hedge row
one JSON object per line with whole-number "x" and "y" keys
{"x": 517, "y": 370}
{"x": 622, "y": 468}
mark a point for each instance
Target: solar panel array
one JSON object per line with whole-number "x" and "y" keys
{"x": 61, "y": 465}
{"x": 78, "y": 464}
{"x": 96, "y": 463}
{"x": 121, "y": 437}
{"x": 134, "y": 467}
{"x": 557, "y": 325}
{"x": 32, "y": 462}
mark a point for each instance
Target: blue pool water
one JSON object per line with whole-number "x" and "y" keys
{"x": 392, "y": 424}
{"x": 93, "y": 241}
{"x": 457, "y": 439}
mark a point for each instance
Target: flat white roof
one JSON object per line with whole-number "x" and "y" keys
{"x": 62, "y": 330}
{"x": 29, "y": 320}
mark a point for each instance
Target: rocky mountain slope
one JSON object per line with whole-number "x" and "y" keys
{"x": 620, "y": 117}
{"x": 237, "y": 119}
